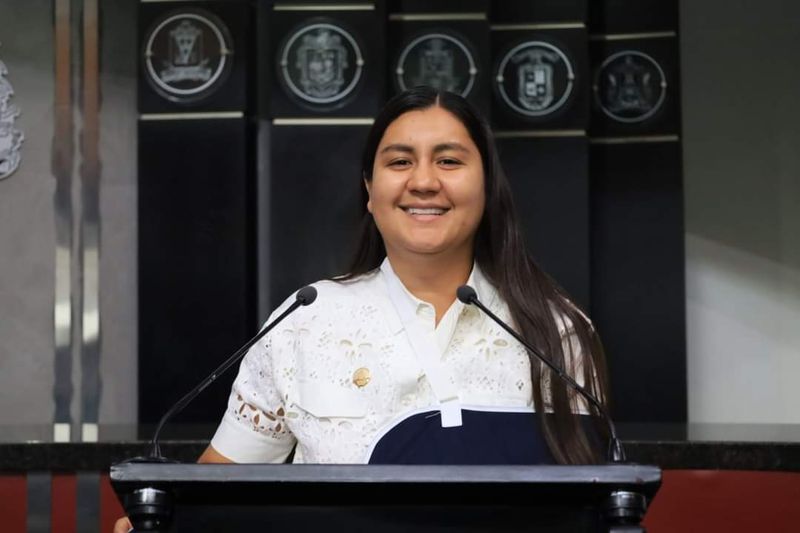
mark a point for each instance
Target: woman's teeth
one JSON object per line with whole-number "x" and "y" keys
{"x": 425, "y": 211}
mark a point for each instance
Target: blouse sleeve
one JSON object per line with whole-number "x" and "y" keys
{"x": 253, "y": 428}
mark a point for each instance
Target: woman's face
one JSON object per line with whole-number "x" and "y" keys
{"x": 427, "y": 194}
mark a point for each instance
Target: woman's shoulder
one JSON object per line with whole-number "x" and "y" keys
{"x": 356, "y": 307}
{"x": 339, "y": 297}
{"x": 341, "y": 291}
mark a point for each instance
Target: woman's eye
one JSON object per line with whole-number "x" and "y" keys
{"x": 399, "y": 163}
{"x": 449, "y": 162}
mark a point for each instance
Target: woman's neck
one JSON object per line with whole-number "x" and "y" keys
{"x": 432, "y": 278}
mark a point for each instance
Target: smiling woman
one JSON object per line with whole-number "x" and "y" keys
{"x": 388, "y": 366}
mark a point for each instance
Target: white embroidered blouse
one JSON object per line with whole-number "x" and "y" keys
{"x": 336, "y": 375}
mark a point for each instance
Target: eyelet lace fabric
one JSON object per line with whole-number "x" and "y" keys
{"x": 298, "y": 384}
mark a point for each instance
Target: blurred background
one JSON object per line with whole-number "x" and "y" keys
{"x": 171, "y": 171}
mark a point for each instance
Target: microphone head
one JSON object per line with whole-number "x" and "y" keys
{"x": 466, "y": 294}
{"x": 306, "y": 295}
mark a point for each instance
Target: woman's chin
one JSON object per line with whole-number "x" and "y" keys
{"x": 430, "y": 249}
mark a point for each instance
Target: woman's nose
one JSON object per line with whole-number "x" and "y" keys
{"x": 424, "y": 178}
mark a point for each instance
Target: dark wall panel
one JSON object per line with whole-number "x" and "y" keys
{"x": 539, "y": 11}
{"x": 315, "y": 201}
{"x": 327, "y": 79}
{"x": 540, "y": 76}
{"x": 550, "y": 181}
{"x": 638, "y": 277}
{"x": 196, "y": 290}
{"x": 197, "y": 293}
{"x": 438, "y": 6}
{"x": 638, "y": 290}
{"x": 632, "y": 16}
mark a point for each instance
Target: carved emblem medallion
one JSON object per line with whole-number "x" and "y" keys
{"x": 630, "y": 86}
{"x": 321, "y": 63}
{"x": 438, "y": 60}
{"x": 535, "y": 78}
{"x": 10, "y": 137}
{"x": 187, "y": 55}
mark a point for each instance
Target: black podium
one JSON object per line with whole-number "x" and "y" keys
{"x": 210, "y": 498}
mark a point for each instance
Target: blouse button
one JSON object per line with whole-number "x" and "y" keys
{"x": 361, "y": 377}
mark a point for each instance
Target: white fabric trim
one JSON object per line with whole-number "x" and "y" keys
{"x": 426, "y": 348}
{"x": 242, "y": 445}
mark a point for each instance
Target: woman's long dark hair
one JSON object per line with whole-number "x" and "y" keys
{"x": 533, "y": 298}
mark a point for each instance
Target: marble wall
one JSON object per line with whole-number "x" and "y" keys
{"x": 31, "y": 222}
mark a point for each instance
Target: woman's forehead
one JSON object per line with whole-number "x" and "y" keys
{"x": 433, "y": 125}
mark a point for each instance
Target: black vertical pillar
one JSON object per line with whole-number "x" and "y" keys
{"x": 638, "y": 262}
{"x": 326, "y": 72}
{"x": 196, "y": 275}
{"x": 540, "y": 113}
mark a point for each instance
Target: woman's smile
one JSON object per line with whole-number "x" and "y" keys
{"x": 424, "y": 213}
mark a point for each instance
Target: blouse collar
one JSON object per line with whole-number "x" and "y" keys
{"x": 410, "y": 303}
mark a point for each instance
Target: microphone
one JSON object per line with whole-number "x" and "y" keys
{"x": 616, "y": 453}
{"x": 305, "y": 296}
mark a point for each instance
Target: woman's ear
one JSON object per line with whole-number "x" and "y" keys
{"x": 367, "y": 186}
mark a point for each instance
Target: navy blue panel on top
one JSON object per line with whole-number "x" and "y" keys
{"x": 484, "y": 438}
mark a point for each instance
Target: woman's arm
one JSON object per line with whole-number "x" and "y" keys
{"x": 210, "y": 455}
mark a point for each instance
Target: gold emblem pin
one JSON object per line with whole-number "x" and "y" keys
{"x": 361, "y": 377}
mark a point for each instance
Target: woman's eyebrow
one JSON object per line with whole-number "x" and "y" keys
{"x": 441, "y": 147}
{"x": 444, "y": 147}
{"x": 398, "y": 148}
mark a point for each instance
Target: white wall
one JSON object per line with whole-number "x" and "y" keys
{"x": 741, "y": 139}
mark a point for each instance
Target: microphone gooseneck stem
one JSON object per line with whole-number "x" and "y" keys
{"x": 616, "y": 452}
{"x": 305, "y": 296}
